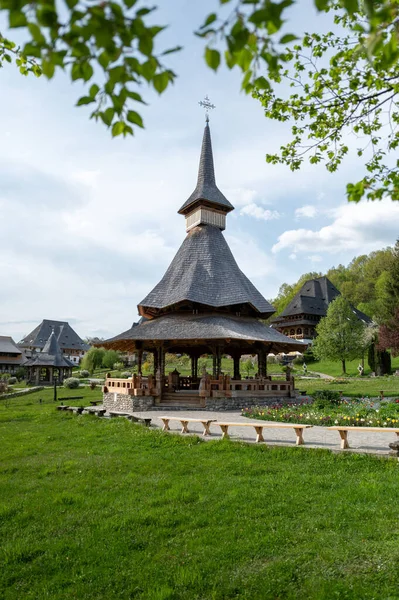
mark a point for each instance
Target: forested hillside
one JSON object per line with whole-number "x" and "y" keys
{"x": 366, "y": 282}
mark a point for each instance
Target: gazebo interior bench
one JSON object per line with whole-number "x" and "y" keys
{"x": 185, "y": 421}
{"x": 259, "y": 429}
{"x": 344, "y": 429}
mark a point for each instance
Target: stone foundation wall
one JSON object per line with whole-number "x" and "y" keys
{"x": 226, "y": 404}
{"x": 126, "y": 403}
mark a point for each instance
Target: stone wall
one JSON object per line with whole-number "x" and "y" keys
{"x": 126, "y": 403}
{"x": 244, "y": 402}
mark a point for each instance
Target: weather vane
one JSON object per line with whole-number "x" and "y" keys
{"x": 205, "y": 103}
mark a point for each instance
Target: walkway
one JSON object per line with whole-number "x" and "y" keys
{"x": 316, "y": 437}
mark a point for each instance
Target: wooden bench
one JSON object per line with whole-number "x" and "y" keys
{"x": 71, "y": 398}
{"x": 260, "y": 426}
{"x": 185, "y": 421}
{"x": 343, "y": 431}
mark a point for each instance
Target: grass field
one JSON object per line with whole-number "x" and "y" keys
{"x": 359, "y": 387}
{"x": 97, "y": 509}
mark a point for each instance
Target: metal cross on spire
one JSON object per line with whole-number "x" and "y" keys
{"x": 206, "y": 103}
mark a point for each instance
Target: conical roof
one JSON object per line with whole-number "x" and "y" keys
{"x": 205, "y": 272}
{"x": 51, "y": 356}
{"x": 206, "y": 189}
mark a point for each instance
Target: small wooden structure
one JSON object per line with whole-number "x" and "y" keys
{"x": 49, "y": 365}
{"x": 203, "y": 305}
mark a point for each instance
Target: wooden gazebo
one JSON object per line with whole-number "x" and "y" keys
{"x": 50, "y": 365}
{"x": 204, "y": 304}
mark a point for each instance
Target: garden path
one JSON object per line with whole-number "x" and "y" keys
{"x": 316, "y": 437}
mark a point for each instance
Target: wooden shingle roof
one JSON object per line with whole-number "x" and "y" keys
{"x": 51, "y": 355}
{"x": 188, "y": 327}
{"x": 67, "y": 338}
{"x": 204, "y": 271}
{"x": 206, "y": 188}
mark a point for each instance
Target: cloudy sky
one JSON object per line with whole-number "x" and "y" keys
{"x": 89, "y": 224}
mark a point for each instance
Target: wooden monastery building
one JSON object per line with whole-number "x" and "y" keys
{"x": 299, "y": 319}
{"x": 11, "y": 357}
{"x": 71, "y": 345}
{"x": 204, "y": 304}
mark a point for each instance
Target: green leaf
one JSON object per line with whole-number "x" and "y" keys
{"x": 36, "y": 33}
{"x": 87, "y": 71}
{"x": 31, "y": 50}
{"x": 160, "y": 82}
{"x": 134, "y": 117}
{"x": 212, "y": 58}
{"x": 210, "y": 19}
{"x": 108, "y": 115}
{"x": 146, "y": 45}
{"x": 48, "y": 68}
{"x": 76, "y": 71}
{"x": 84, "y": 100}
{"x": 94, "y": 89}
{"x": 321, "y": 5}
{"x": 135, "y": 96}
{"x": 351, "y": 6}
{"x": 47, "y": 16}
{"x": 17, "y": 18}
{"x": 104, "y": 59}
{"x": 287, "y": 38}
{"x": 129, "y": 3}
{"x": 262, "y": 83}
{"x": 118, "y": 128}
{"x": 71, "y": 3}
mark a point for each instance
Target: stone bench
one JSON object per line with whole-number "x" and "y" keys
{"x": 185, "y": 421}
{"x": 62, "y": 407}
{"x": 76, "y": 409}
{"x": 343, "y": 431}
{"x": 118, "y": 413}
{"x": 144, "y": 420}
{"x": 95, "y": 402}
{"x": 259, "y": 427}
{"x": 94, "y": 410}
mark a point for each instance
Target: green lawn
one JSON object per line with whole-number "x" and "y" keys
{"x": 362, "y": 386}
{"x": 101, "y": 509}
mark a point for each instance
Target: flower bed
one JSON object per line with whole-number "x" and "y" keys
{"x": 359, "y": 413}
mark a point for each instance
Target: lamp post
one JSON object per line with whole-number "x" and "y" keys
{"x": 55, "y": 389}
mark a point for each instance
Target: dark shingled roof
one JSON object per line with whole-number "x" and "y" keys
{"x": 51, "y": 355}
{"x": 214, "y": 326}
{"x": 204, "y": 271}
{"x": 314, "y": 298}
{"x": 206, "y": 184}
{"x": 66, "y": 336}
{"x": 8, "y": 346}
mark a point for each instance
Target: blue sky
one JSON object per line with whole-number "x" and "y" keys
{"x": 89, "y": 224}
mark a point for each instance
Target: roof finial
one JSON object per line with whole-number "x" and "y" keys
{"x": 206, "y": 103}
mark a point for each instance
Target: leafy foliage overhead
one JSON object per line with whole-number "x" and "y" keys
{"x": 339, "y": 82}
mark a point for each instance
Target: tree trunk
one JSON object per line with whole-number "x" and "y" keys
{"x": 343, "y": 367}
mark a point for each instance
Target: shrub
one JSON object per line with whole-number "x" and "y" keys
{"x": 93, "y": 385}
{"x": 5, "y": 376}
{"x": 84, "y": 373}
{"x": 3, "y": 386}
{"x": 326, "y": 398}
{"x": 126, "y": 374}
{"x": 71, "y": 383}
{"x": 118, "y": 366}
{"x": 308, "y": 356}
{"x": 20, "y": 373}
{"x": 12, "y": 380}
{"x": 299, "y": 360}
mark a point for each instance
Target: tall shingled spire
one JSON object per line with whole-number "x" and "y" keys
{"x": 206, "y": 192}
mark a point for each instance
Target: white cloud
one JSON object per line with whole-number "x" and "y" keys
{"x": 360, "y": 227}
{"x": 308, "y": 211}
{"x": 315, "y": 258}
{"x": 253, "y": 210}
{"x": 292, "y": 256}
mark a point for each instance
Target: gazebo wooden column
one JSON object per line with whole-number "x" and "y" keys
{"x": 139, "y": 361}
{"x": 194, "y": 366}
{"x": 217, "y": 361}
{"x": 262, "y": 362}
{"x": 236, "y": 361}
